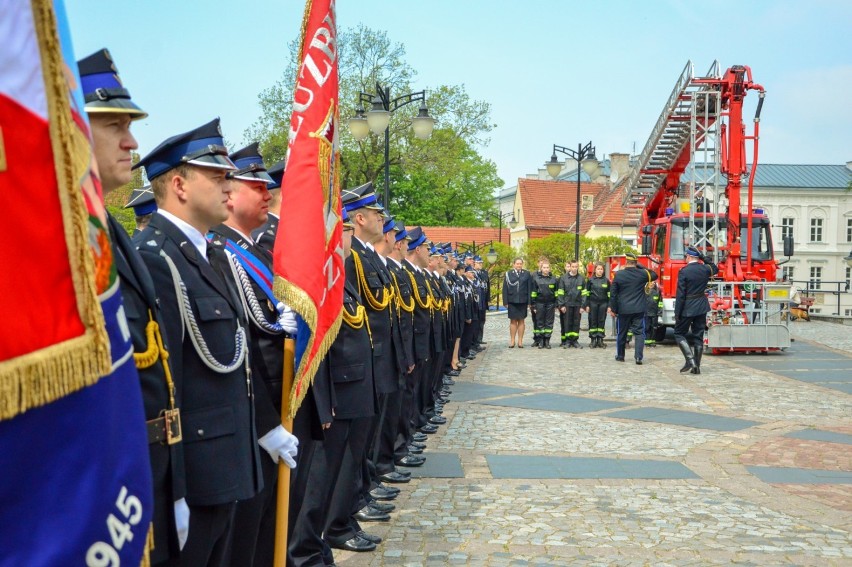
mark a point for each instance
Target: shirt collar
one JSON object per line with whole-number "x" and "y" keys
{"x": 193, "y": 234}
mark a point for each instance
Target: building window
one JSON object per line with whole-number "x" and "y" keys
{"x": 816, "y": 277}
{"x": 816, "y": 230}
{"x": 787, "y": 273}
{"x": 786, "y": 228}
{"x": 848, "y": 230}
{"x": 848, "y": 275}
{"x": 848, "y": 312}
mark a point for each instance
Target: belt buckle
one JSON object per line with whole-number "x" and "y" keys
{"x": 174, "y": 433}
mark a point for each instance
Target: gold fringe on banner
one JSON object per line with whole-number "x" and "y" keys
{"x": 301, "y": 303}
{"x": 44, "y": 376}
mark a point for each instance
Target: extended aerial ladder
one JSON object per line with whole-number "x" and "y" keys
{"x": 688, "y": 183}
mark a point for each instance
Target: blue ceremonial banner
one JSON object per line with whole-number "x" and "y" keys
{"x": 75, "y": 479}
{"x": 76, "y": 482}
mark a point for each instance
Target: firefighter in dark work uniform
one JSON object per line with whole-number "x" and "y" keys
{"x": 543, "y": 300}
{"x": 653, "y": 306}
{"x": 571, "y": 297}
{"x": 598, "y": 299}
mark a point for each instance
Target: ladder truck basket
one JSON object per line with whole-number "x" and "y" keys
{"x": 747, "y": 316}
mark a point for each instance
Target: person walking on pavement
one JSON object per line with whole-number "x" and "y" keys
{"x": 598, "y": 299}
{"x": 516, "y": 295}
{"x": 571, "y": 296}
{"x": 543, "y": 303}
{"x": 627, "y": 304}
{"x": 691, "y": 307}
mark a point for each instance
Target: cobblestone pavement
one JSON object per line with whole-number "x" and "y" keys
{"x": 720, "y": 513}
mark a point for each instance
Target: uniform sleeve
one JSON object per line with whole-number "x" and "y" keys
{"x": 560, "y": 292}
{"x": 505, "y": 292}
{"x": 680, "y": 294}
{"x": 587, "y": 284}
{"x": 613, "y": 294}
{"x": 533, "y": 290}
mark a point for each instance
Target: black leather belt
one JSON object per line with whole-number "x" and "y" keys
{"x": 165, "y": 429}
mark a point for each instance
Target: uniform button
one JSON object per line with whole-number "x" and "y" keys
{"x": 217, "y": 312}
{"x": 201, "y": 433}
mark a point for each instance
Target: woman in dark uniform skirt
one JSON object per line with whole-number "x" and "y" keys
{"x": 516, "y": 298}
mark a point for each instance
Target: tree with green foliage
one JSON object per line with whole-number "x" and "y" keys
{"x": 115, "y": 200}
{"x": 559, "y": 248}
{"x": 440, "y": 181}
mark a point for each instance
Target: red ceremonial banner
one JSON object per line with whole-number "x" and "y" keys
{"x": 308, "y": 252}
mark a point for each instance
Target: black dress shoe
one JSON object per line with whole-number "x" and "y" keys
{"x": 410, "y": 461}
{"x": 392, "y": 489}
{"x": 394, "y": 477}
{"x": 448, "y": 381}
{"x": 438, "y": 420}
{"x": 420, "y": 437}
{"x": 429, "y": 429}
{"x": 370, "y": 514}
{"x": 417, "y": 444}
{"x": 453, "y": 373}
{"x": 369, "y": 537}
{"x": 619, "y": 359}
{"x": 381, "y": 507}
{"x": 414, "y": 450}
{"x": 357, "y": 543}
{"x": 477, "y": 348}
{"x": 382, "y": 493}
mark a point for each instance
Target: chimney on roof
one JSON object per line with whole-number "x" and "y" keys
{"x": 620, "y": 164}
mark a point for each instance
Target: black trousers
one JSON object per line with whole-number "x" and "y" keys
{"x": 382, "y": 453}
{"x": 424, "y": 390}
{"x": 346, "y": 491}
{"x": 467, "y": 337}
{"x": 544, "y": 317}
{"x": 597, "y": 319}
{"x": 253, "y": 542}
{"x": 210, "y": 532}
{"x": 480, "y": 329}
{"x": 408, "y": 416}
{"x": 634, "y": 323}
{"x": 691, "y": 328}
{"x": 305, "y": 547}
{"x": 570, "y": 323}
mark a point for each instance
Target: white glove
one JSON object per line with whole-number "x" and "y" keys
{"x": 288, "y": 321}
{"x": 182, "y": 521}
{"x": 281, "y": 444}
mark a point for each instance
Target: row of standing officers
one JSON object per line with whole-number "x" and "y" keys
{"x": 208, "y": 333}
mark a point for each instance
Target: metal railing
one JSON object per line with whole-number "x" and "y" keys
{"x": 811, "y": 288}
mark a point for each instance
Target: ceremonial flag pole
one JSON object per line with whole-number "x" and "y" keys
{"x": 308, "y": 251}
{"x": 76, "y": 484}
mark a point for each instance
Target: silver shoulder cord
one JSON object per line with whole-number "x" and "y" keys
{"x": 250, "y": 301}
{"x": 509, "y": 282}
{"x": 188, "y": 319}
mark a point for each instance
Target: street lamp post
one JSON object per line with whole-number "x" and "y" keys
{"x": 377, "y": 120}
{"x": 584, "y": 155}
{"x": 512, "y": 223}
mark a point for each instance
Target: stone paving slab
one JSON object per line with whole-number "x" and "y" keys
{"x": 800, "y": 476}
{"x": 675, "y": 522}
{"x": 685, "y": 418}
{"x": 525, "y": 466}
{"x": 492, "y": 429}
{"x": 438, "y": 465}
{"x": 469, "y": 391}
{"x": 726, "y": 516}
{"x": 819, "y": 435}
{"x": 555, "y": 402}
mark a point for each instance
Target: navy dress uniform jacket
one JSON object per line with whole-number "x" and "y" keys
{"x": 627, "y": 293}
{"x": 406, "y": 320}
{"x": 264, "y": 237}
{"x": 349, "y": 371}
{"x": 220, "y": 441}
{"x": 422, "y": 324}
{"x": 691, "y": 297}
{"x": 167, "y": 467}
{"x": 517, "y": 287}
{"x": 378, "y": 280}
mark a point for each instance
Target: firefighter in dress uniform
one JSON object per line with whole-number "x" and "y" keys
{"x": 691, "y": 308}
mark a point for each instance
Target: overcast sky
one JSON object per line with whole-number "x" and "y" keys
{"x": 560, "y": 72}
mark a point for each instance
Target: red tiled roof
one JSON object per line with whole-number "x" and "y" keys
{"x": 466, "y": 234}
{"x": 552, "y": 205}
{"x": 608, "y": 210}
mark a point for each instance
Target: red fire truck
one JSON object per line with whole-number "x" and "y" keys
{"x": 692, "y": 186}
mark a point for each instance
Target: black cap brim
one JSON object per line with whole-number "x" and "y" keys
{"x": 116, "y": 106}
